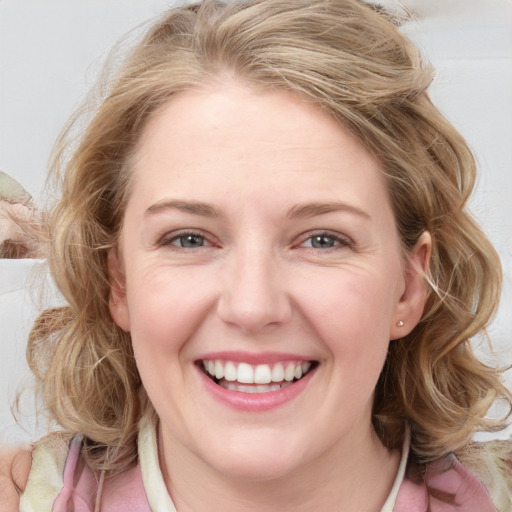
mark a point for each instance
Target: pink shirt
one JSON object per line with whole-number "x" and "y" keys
{"x": 60, "y": 481}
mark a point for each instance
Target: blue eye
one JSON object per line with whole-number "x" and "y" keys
{"x": 187, "y": 241}
{"x": 325, "y": 241}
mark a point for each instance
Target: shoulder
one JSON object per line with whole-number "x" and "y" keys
{"x": 445, "y": 485}
{"x": 491, "y": 463}
{"x": 61, "y": 480}
{"x": 46, "y": 478}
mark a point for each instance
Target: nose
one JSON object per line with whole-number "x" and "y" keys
{"x": 254, "y": 297}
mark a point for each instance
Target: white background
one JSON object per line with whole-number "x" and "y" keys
{"x": 51, "y": 52}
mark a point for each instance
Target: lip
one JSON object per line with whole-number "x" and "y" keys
{"x": 255, "y": 402}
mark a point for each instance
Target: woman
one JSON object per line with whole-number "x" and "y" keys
{"x": 271, "y": 277}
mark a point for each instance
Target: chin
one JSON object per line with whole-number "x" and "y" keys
{"x": 255, "y": 462}
{"x": 259, "y": 470}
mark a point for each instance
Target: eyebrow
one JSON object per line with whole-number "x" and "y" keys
{"x": 308, "y": 210}
{"x": 194, "y": 207}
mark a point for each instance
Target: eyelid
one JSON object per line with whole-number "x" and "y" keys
{"x": 343, "y": 240}
{"x": 167, "y": 239}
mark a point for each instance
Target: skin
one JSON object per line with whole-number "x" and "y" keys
{"x": 14, "y": 470}
{"x": 258, "y": 285}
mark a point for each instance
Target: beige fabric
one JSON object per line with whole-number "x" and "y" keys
{"x": 46, "y": 476}
{"x": 491, "y": 463}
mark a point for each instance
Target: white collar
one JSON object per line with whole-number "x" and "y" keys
{"x": 154, "y": 485}
{"x": 389, "y": 505}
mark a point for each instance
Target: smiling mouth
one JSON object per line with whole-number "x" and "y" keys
{"x": 261, "y": 378}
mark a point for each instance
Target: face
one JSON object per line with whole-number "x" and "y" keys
{"x": 260, "y": 275}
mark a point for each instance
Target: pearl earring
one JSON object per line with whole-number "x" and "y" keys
{"x": 400, "y": 323}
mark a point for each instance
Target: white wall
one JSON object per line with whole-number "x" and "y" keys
{"x": 51, "y": 51}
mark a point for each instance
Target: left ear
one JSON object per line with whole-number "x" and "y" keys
{"x": 410, "y": 306}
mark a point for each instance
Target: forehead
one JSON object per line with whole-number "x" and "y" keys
{"x": 257, "y": 142}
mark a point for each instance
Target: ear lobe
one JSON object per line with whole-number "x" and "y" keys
{"x": 117, "y": 303}
{"x": 410, "y": 306}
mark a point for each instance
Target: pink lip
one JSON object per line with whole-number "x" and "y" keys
{"x": 253, "y": 358}
{"x": 255, "y": 402}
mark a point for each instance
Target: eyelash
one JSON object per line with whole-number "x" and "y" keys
{"x": 169, "y": 239}
{"x": 338, "y": 240}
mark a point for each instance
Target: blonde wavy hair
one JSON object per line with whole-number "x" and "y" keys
{"x": 352, "y": 61}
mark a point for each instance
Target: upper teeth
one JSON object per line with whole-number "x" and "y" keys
{"x": 256, "y": 374}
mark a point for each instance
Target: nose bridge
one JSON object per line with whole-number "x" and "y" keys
{"x": 254, "y": 294}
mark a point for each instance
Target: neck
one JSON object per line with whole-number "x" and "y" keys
{"x": 356, "y": 475}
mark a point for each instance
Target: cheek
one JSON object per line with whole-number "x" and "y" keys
{"x": 354, "y": 301}
{"x": 351, "y": 314}
{"x": 165, "y": 305}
